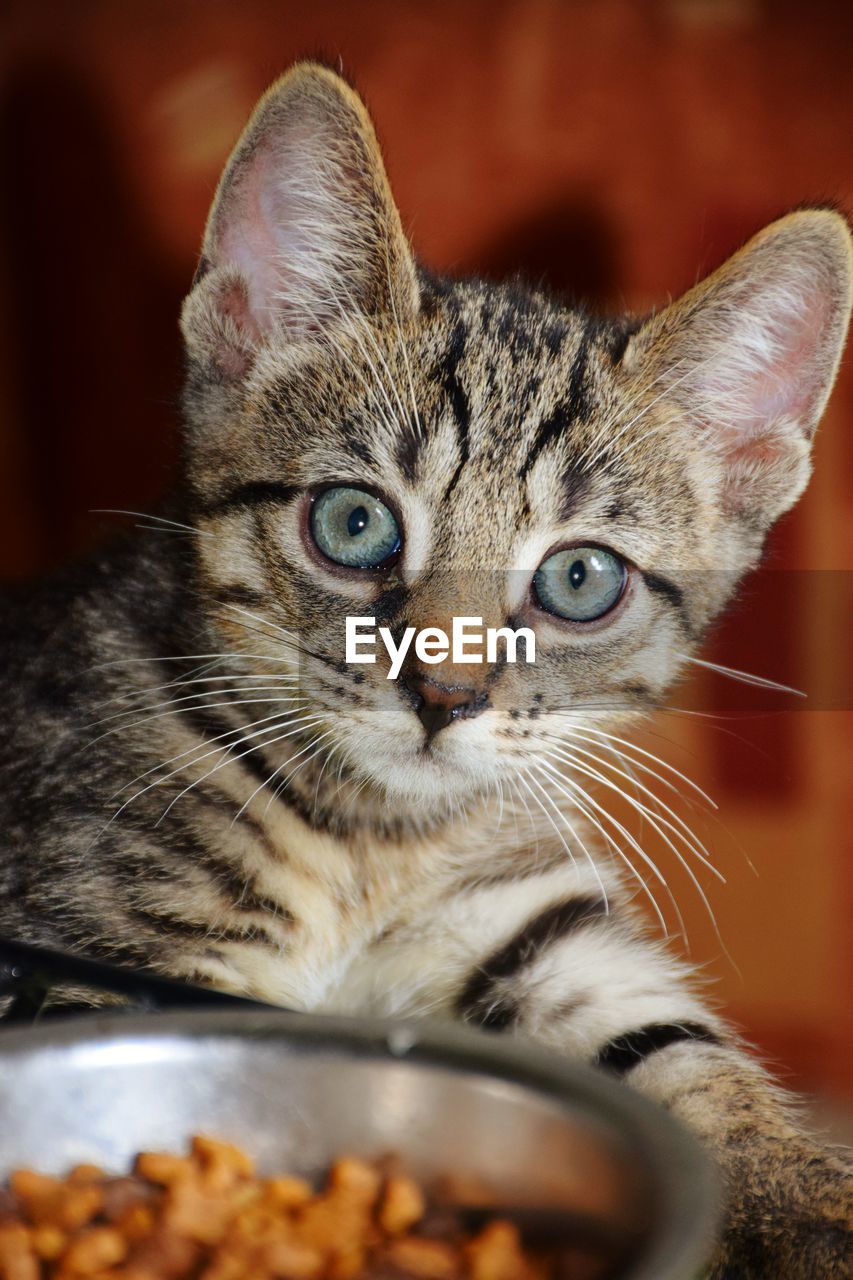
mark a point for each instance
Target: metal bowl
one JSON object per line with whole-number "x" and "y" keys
{"x": 574, "y": 1156}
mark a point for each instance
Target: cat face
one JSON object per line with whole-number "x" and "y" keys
{"x": 366, "y": 440}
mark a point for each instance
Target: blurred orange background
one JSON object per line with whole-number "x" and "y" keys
{"x": 616, "y": 149}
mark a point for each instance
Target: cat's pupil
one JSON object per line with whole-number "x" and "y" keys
{"x": 577, "y": 574}
{"x": 358, "y": 521}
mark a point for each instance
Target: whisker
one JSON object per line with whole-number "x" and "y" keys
{"x": 572, "y": 737}
{"x": 303, "y": 724}
{"x": 281, "y": 685}
{"x": 184, "y": 657}
{"x": 248, "y": 737}
{"x": 401, "y": 342}
{"x": 239, "y": 730}
{"x": 147, "y": 515}
{"x": 513, "y": 796}
{"x": 688, "y": 836}
{"x": 742, "y": 677}
{"x": 317, "y": 783}
{"x": 589, "y": 804}
{"x": 185, "y": 682}
{"x": 372, "y": 388}
{"x": 160, "y": 781}
{"x": 351, "y": 319}
{"x": 500, "y": 791}
{"x": 668, "y": 390}
{"x": 657, "y": 823}
{"x": 280, "y": 787}
{"x": 289, "y": 637}
{"x": 200, "y": 706}
{"x": 649, "y": 755}
{"x": 526, "y": 779}
{"x": 533, "y": 825}
{"x": 564, "y": 819}
{"x": 602, "y": 438}
{"x": 263, "y": 785}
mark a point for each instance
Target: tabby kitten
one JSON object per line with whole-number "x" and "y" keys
{"x": 194, "y": 778}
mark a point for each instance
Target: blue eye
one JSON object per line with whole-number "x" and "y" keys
{"x": 580, "y": 583}
{"x": 353, "y": 528}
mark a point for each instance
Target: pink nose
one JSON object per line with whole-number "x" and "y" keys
{"x": 437, "y": 704}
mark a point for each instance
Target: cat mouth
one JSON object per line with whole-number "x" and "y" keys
{"x": 404, "y": 760}
{"x": 428, "y": 747}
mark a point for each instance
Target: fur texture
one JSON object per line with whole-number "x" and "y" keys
{"x": 196, "y": 781}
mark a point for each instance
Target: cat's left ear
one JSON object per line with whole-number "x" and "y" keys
{"x": 748, "y": 358}
{"x": 303, "y": 234}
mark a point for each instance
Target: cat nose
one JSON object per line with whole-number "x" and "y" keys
{"x": 437, "y": 704}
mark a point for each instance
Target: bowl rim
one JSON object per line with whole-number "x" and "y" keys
{"x": 678, "y": 1246}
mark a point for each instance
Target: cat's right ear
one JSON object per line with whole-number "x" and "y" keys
{"x": 303, "y": 234}
{"x": 747, "y": 359}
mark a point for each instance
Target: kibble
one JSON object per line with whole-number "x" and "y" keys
{"x": 208, "y": 1215}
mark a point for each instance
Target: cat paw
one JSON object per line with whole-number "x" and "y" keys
{"x": 790, "y": 1217}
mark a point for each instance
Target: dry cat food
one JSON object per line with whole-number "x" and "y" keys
{"x": 209, "y": 1216}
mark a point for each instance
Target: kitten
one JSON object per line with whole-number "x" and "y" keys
{"x": 195, "y": 780}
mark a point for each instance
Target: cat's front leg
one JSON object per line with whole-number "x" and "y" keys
{"x": 577, "y": 980}
{"x": 542, "y": 957}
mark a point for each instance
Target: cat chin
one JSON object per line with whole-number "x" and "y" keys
{"x": 424, "y": 781}
{"x": 419, "y": 791}
{"x": 421, "y": 779}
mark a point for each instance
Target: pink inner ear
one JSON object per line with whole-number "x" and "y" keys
{"x": 770, "y": 368}
{"x": 793, "y": 381}
{"x": 289, "y": 222}
{"x": 233, "y": 303}
{"x": 248, "y": 242}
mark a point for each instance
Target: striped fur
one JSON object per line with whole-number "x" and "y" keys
{"x": 194, "y": 778}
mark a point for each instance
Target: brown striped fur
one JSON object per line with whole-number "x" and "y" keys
{"x": 196, "y": 781}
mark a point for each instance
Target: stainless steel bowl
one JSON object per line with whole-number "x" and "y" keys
{"x": 569, "y": 1152}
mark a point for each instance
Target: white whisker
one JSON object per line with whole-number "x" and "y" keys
{"x": 281, "y": 685}
{"x": 145, "y": 515}
{"x": 249, "y": 737}
{"x": 401, "y": 342}
{"x": 303, "y": 722}
{"x": 239, "y": 730}
{"x": 281, "y": 785}
{"x": 185, "y": 682}
{"x": 649, "y": 755}
{"x": 184, "y": 657}
{"x": 201, "y": 706}
{"x": 582, "y": 800}
{"x": 564, "y": 819}
{"x": 743, "y": 677}
{"x": 686, "y": 834}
